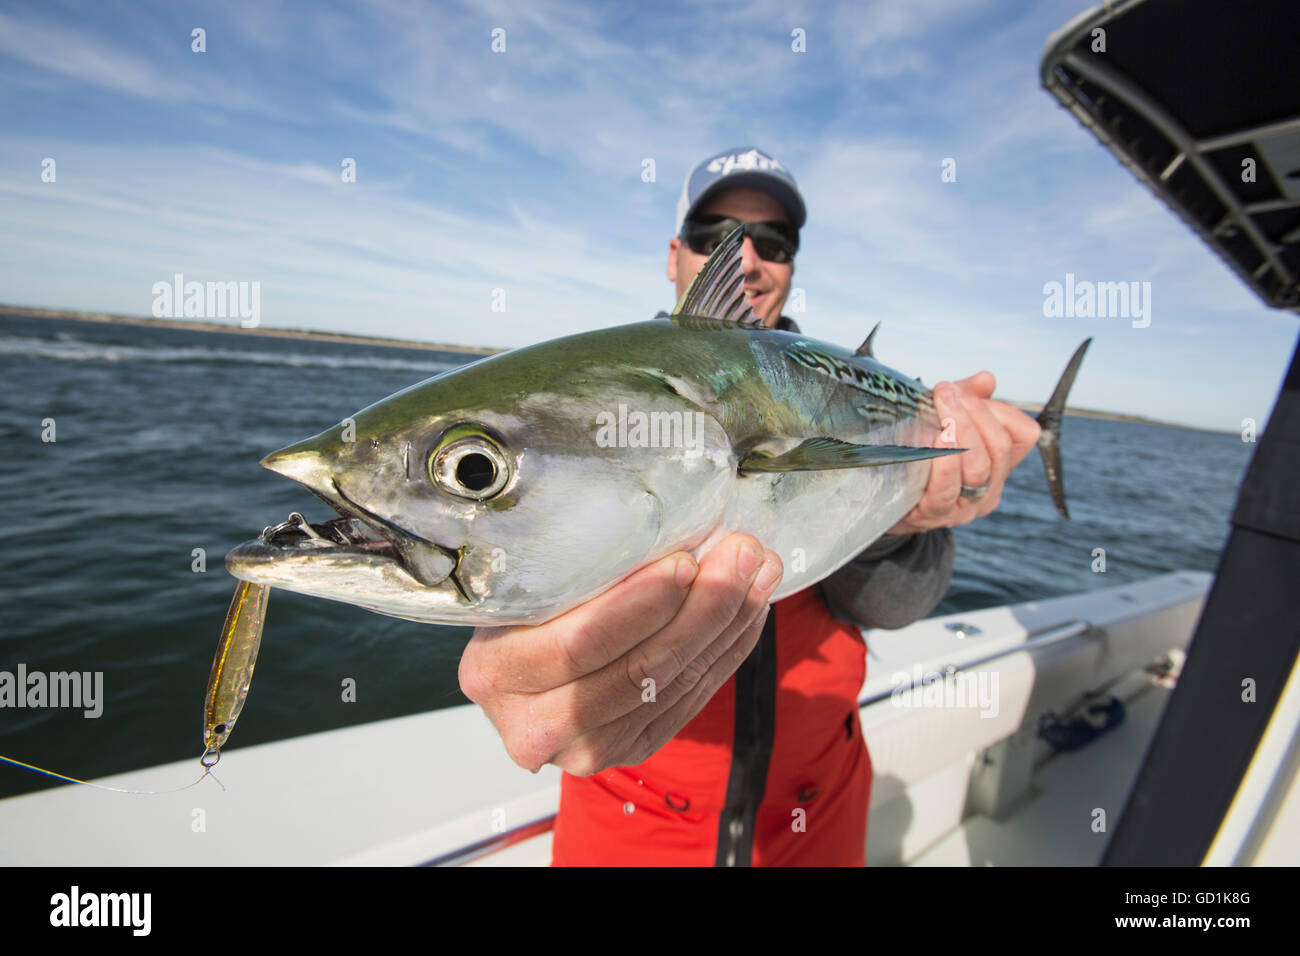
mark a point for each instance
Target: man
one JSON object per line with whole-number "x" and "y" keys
{"x": 767, "y": 767}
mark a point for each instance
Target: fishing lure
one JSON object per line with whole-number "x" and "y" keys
{"x": 241, "y": 637}
{"x": 232, "y": 673}
{"x": 232, "y": 666}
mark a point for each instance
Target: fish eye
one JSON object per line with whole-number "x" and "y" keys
{"x": 469, "y": 463}
{"x": 476, "y": 471}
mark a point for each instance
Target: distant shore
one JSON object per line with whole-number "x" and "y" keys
{"x": 1031, "y": 407}
{"x": 345, "y": 339}
{"x": 194, "y": 325}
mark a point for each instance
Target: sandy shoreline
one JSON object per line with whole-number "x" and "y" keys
{"x": 193, "y": 325}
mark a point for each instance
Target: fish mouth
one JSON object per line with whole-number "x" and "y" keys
{"x": 425, "y": 560}
{"x": 359, "y": 536}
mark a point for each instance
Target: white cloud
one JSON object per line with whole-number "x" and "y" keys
{"x": 85, "y": 59}
{"x": 415, "y": 269}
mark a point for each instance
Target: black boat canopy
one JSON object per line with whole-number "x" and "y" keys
{"x": 1199, "y": 99}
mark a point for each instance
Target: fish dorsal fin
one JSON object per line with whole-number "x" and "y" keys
{"x": 865, "y": 347}
{"x": 717, "y": 291}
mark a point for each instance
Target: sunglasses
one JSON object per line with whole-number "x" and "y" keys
{"x": 773, "y": 241}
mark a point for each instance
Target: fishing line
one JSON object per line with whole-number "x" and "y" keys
{"x": 207, "y": 772}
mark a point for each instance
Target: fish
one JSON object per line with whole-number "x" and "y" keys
{"x": 511, "y": 490}
{"x": 232, "y": 667}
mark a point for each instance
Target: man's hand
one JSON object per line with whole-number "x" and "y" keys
{"x": 998, "y": 437}
{"x": 610, "y": 682}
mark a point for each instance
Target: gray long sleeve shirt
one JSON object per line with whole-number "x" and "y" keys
{"x": 896, "y": 580}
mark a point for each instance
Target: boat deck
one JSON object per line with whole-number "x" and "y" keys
{"x": 1055, "y": 825}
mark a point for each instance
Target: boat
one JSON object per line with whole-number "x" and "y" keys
{"x": 1118, "y": 734}
{"x": 969, "y": 784}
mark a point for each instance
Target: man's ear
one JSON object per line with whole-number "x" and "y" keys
{"x": 673, "y": 245}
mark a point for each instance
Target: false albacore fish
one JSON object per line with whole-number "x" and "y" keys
{"x": 513, "y": 489}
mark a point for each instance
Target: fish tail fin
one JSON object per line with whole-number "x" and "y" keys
{"x": 1049, "y": 443}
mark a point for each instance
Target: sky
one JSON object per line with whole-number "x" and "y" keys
{"x": 504, "y": 197}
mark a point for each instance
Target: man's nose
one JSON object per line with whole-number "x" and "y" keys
{"x": 748, "y": 256}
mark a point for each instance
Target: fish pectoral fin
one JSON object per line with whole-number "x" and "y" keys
{"x": 817, "y": 454}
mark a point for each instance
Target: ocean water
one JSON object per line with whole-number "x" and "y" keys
{"x": 159, "y": 432}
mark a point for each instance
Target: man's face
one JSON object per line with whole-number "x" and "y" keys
{"x": 766, "y": 283}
